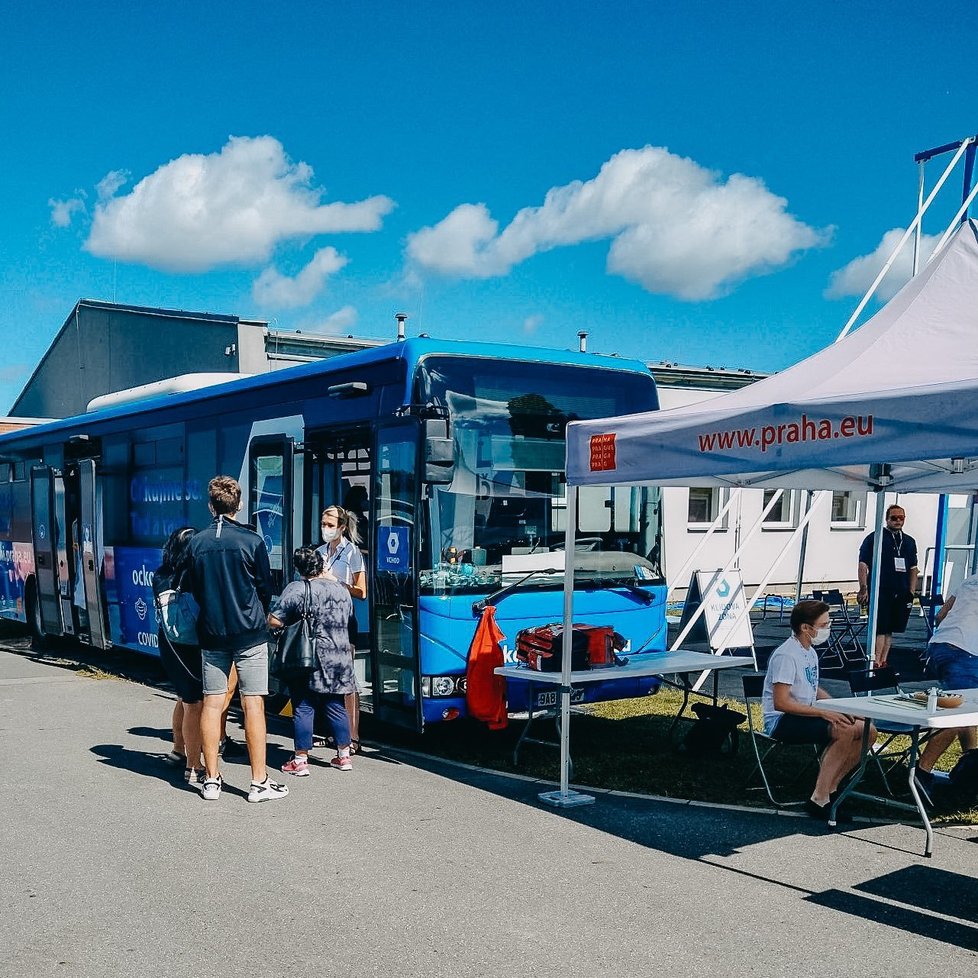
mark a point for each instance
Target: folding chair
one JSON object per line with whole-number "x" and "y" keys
{"x": 927, "y": 602}
{"x": 765, "y": 745}
{"x": 884, "y": 680}
{"x": 843, "y": 649}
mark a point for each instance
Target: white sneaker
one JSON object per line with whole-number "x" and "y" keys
{"x": 211, "y": 790}
{"x": 268, "y": 790}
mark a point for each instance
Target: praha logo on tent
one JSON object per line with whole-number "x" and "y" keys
{"x": 603, "y": 453}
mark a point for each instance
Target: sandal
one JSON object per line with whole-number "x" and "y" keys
{"x": 354, "y": 746}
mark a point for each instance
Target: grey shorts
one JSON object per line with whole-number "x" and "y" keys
{"x": 252, "y": 670}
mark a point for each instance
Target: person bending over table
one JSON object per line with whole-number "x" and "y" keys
{"x": 790, "y": 689}
{"x": 952, "y": 657}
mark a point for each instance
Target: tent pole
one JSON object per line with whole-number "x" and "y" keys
{"x": 903, "y": 240}
{"x": 874, "y": 576}
{"x": 733, "y": 496}
{"x": 919, "y": 230}
{"x": 701, "y": 610}
{"x": 802, "y": 550}
{"x": 565, "y": 798}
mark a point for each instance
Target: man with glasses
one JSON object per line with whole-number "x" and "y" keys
{"x": 897, "y": 580}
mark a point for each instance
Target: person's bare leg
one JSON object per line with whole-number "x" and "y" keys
{"x": 838, "y": 759}
{"x": 210, "y": 731}
{"x": 191, "y": 732}
{"x": 352, "y": 703}
{"x": 254, "y": 722}
{"x": 232, "y": 686}
{"x": 937, "y": 743}
{"x": 179, "y": 745}
{"x": 883, "y": 643}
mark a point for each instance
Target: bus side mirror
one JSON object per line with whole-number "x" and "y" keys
{"x": 439, "y": 452}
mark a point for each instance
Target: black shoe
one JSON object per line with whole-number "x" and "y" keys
{"x": 230, "y": 748}
{"x": 821, "y": 812}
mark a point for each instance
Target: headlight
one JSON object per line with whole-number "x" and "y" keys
{"x": 442, "y": 685}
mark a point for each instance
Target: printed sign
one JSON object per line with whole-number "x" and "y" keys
{"x": 722, "y": 592}
{"x": 133, "y": 592}
{"x": 603, "y": 453}
{"x": 394, "y": 549}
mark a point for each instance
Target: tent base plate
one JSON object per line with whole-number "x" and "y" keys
{"x": 565, "y": 799}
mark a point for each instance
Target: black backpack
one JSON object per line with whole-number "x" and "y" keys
{"x": 715, "y": 726}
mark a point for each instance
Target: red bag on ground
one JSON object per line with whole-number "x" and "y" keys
{"x": 485, "y": 692}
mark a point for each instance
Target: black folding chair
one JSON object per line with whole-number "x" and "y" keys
{"x": 927, "y": 603}
{"x": 843, "y": 649}
{"x": 884, "y": 680}
{"x": 765, "y": 745}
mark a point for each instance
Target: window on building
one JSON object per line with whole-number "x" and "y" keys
{"x": 783, "y": 515}
{"x": 848, "y": 508}
{"x": 704, "y": 504}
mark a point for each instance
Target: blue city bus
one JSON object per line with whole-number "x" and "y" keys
{"x": 452, "y": 456}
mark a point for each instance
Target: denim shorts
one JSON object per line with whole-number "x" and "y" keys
{"x": 252, "y": 670}
{"x": 955, "y": 668}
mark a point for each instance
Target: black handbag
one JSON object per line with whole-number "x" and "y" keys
{"x": 295, "y": 644}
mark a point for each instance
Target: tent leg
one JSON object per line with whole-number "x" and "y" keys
{"x": 566, "y": 797}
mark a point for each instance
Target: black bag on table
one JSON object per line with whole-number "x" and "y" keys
{"x": 713, "y": 728}
{"x": 294, "y": 649}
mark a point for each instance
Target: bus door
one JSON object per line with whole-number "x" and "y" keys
{"x": 396, "y": 670}
{"x": 271, "y": 462}
{"x": 45, "y": 531}
{"x": 92, "y": 552}
{"x": 338, "y": 473}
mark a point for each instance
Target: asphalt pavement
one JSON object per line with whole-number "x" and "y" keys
{"x": 416, "y": 867}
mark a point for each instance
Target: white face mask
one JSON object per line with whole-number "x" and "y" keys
{"x": 329, "y": 535}
{"x": 822, "y": 635}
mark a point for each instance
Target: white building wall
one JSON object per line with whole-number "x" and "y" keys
{"x": 832, "y": 549}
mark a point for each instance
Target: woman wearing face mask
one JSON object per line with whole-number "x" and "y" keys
{"x": 343, "y": 562}
{"x": 790, "y": 689}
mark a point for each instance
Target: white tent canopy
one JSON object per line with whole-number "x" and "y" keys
{"x": 900, "y": 390}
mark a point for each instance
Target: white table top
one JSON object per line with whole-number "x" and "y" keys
{"x": 885, "y": 706}
{"x": 646, "y": 665}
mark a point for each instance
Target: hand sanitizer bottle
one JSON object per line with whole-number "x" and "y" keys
{"x": 932, "y": 700}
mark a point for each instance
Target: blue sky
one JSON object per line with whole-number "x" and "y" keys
{"x": 687, "y": 181}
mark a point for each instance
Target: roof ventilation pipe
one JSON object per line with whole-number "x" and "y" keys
{"x": 401, "y": 318}
{"x": 582, "y": 338}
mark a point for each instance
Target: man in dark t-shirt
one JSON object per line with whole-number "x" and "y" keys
{"x": 897, "y": 583}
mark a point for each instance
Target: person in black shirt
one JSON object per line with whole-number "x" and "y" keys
{"x": 897, "y": 584}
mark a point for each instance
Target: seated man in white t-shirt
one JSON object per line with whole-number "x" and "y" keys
{"x": 952, "y": 657}
{"x": 790, "y": 689}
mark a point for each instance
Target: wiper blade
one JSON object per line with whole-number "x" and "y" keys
{"x": 479, "y": 606}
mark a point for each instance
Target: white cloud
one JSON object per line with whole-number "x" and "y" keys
{"x": 855, "y": 278}
{"x": 62, "y": 211}
{"x": 675, "y": 227}
{"x": 110, "y": 183}
{"x": 232, "y": 207}
{"x": 274, "y": 289}
{"x": 532, "y": 323}
{"x": 336, "y": 323}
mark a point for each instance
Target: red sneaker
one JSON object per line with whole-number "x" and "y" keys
{"x": 341, "y": 763}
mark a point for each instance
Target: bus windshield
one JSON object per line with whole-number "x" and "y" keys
{"x": 503, "y": 515}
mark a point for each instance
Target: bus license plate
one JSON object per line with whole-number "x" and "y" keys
{"x": 551, "y": 698}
